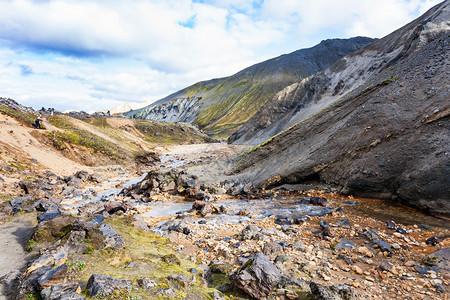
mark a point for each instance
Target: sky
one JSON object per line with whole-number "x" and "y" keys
{"x": 94, "y": 55}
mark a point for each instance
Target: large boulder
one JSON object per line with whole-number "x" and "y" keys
{"x": 257, "y": 277}
{"x": 440, "y": 258}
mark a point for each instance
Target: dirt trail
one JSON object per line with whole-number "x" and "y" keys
{"x": 17, "y": 141}
{"x": 14, "y": 237}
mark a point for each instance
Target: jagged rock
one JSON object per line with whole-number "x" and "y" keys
{"x": 138, "y": 222}
{"x": 10, "y": 278}
{"x": 333, "y": 292}
{"x": 28, "y": 284}
{"x": 383, "y": 245}
{"x": 82, "y": 175}
{"x": 272, "y": 250}
{"x": 344, "y": 224}
{"x": 113, "y": 207}
{"x": 111, "y": 238}
{"x": 146, "y": 283}
{"x": 440, "y": 258}
{"x": 180, "y": 281}
{"x": 371, "y": 235}
{"x": 91, "y": 209}
{"x": 250, "y": 232}
{"x": 104, "y": 285}
{"x": 178, "y": 226}
{"x": 53, "y": 277}
{"x": 206, "y": 273}
{"x": 73, "y": 243}
{"x": 257, "y": 277}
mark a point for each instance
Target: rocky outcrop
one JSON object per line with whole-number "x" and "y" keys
{"x": 385, "y": 134}
{"x": 220, "y": 106}
{"x": 257, "y": 277}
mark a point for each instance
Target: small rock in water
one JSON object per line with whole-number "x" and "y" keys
{"x": 433, "y": 241}
{"x": 390, "y": 224}
{"x": 401, "y": 230}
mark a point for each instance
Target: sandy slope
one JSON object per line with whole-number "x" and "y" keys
{"x": 17, "y": 141}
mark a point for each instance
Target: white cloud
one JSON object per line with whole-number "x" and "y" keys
{"x": 86, "y": 53}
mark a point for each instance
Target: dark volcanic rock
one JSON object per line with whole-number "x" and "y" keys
{"x": 257, "y": 277}
{"x": 100, "y": 285}
{"x": 440, "y": 258}
{"x": 370, "y": 141}
{"x": 333, "y": 292}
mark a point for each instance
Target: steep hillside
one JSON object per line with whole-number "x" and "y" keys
{"x": 65, "y": 143}
{"x": 384, "y": 127}
{"x": 220, "y": 106}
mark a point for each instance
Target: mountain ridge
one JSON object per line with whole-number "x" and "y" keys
{"x": 385, "y": 138}
{"x": 219, "y": 106}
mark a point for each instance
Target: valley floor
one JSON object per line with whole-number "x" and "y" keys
{"x": 379, "y": 249}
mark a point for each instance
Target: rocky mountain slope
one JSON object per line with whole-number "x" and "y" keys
{"x": 220, "y": 106}
{"x": 376, "y": 123}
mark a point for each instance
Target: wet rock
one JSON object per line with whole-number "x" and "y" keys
{"x": 400, "y": 230}
{"x": 248, "y": 189}
{"x": 333, "y": 292}
{"x": 321, "y": 201}
{"x": 146, "y": 283}
{"x": 390, "y": 224}
{"x": 345, "y": 244}
{"x": 104, "y": 285}
{"x": 433, "y": 241}
{"x": 440, "y": 258}
{"x": 111, "y": 238}
{"x": 257, "y": 277}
